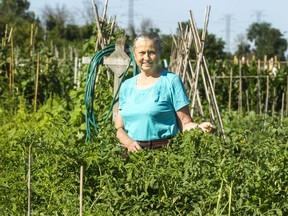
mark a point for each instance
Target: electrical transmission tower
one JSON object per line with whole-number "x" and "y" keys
{"x": 130, "y": 16}
{"x": 259, "y": 14}
{"x": 228, "y": 30}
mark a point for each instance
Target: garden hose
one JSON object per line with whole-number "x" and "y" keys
{"x": 89, "y": 97}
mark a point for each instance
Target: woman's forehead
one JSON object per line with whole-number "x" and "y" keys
{"x": 144, "y": 42}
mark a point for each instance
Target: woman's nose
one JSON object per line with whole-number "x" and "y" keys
{"x": 146, "y": 56}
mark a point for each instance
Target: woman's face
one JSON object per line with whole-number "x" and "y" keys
{"x": 146, "y": 55}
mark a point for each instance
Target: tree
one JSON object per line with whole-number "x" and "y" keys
{"x": 14, "y": 8}
{"x": 166, "y": 42}
{"x": 243, "y": 46}
{"x": 214, "y": 47}
{"x": 56, "y": 19}
{"x": 267, "y": 40}
{"x": 15, "y": 15}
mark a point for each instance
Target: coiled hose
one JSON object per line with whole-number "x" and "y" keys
{"x": 91, "y": 74}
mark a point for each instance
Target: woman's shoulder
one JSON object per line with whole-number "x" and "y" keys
{"x": 129, "y": 81}
{"x": 169, "y": 75}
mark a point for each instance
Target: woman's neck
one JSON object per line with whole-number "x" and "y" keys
{"x": 146, "y": 80}
{"x": 153, "y": 73}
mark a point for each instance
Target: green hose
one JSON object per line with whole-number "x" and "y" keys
{"x": 91, "y": 75}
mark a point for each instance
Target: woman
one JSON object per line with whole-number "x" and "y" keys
{"x": 153, "y": 105}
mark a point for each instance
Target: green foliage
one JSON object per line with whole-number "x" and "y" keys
{"x": 214, "y": 48}
{"x": 252, "y": 87}
{"x": 199, "y": 174}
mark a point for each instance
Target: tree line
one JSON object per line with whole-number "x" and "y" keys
{"x": 57, "y": 27}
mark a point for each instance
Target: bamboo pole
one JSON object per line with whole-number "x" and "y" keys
{"x": 200, "y": 108}
{"x": 242, "y": 76}
{"x": 265, "y": 62}
{"x": 274, "y": 100}
{"x": 287, "y": 96}
{"x": 32, "y": 39}
{"x": 230, "y": 199}
{"x": 240, "y": 88}
{"x": 187, "y": 52}
{"x": 113, "y": 24}
{"x": 76, "y": 62}
{"x": 36, "y": 83}
{"x": 11, "y": 67}
{"x": 104, "y": 11}
{"x": 174, "y": 53}
{"x": 180, "y": 51}
{"x": 258, "y": 88}
{"x": 230, "y": 89}
{"x": 71, "y": 53}
{"x": 5, "y": 36}
{"x": 210, "y": 107}
{"x": 282, "y": 108}
{"x": 199, "y": 60}
{"x": 47, "y": 63}
{"x": 266, "y": 100}
{"x": 29, "y": 182}
{"x": 100, "y": 38}
{"x": 247, "y": 100}
{"x": 81, "y": 191}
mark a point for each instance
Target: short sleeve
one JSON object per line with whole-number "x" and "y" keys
{"x": 178, "y": 94}
{"x": 121, "y": 96}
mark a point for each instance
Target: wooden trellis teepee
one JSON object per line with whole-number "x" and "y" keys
{"x": 181, "y": 64}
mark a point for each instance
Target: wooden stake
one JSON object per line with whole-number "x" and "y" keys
{"x": 258, "y": 88}
{"x": 287, "y": 97}
{"x": 240, "y": 88}
{"x": 100, "y": 38}
{"x": 265, "y": 62}
{"x": 282, "y": 108}
{"x": 266, "y": 100}
{"x": 199, "y": 60}
{"x": 81, "y": 191}
{"x": 247, "y": 100}
{"x": 230, "y": 89}
{"x": 104, "y": 11}
{"x": 36, "y": 83}
{"x": 29, "y": 181}
{"x": 11, "y": 68}
{"x": 274, "y": 100}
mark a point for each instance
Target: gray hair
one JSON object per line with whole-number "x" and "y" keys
{"x": 152, "y": 37}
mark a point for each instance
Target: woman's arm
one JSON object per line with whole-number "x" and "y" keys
{"x": 123, "y": 137}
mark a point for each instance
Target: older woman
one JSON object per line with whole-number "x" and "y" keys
{"x": 153, "y": 105}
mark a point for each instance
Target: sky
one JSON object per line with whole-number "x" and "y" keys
{"x": 228, "y": 19}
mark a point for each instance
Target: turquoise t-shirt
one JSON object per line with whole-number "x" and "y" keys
{"x": 150, "y": 114}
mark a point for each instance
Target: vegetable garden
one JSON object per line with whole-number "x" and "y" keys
{"x": 48, "y": 168}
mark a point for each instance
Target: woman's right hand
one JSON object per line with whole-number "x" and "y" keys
{"x": 132, "y": 146}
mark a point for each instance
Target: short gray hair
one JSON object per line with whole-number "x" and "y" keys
{"x": 155, "y": 38}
